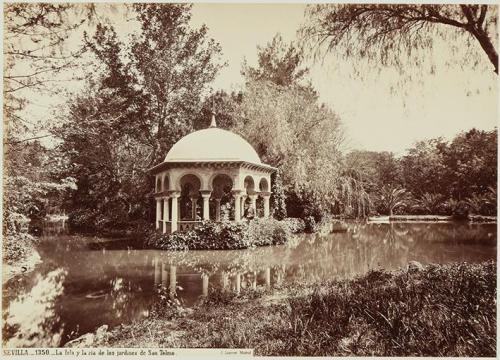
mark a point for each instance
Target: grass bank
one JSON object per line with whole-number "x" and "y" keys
{"x": 435, "y": 311}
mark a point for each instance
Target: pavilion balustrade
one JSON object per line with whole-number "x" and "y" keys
{"x": 168, "y": 209}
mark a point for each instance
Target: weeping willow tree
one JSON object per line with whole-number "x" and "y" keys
{"x": 394, "y": 34}
{"x": 352, "y": 198}
{"x": 292, "y": 131}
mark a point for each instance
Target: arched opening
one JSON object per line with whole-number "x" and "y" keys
{"x": 248, "y": 209}
{"x": 165, "y": 183}
{"x": 222, "y": 208}
{"x": 263, "y": 185}
{"x": 249, "y": 185}
{"x": 158, "y": 184}
{"x": 190, "y": 199}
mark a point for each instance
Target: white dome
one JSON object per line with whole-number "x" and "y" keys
{"x": 212, "y": 144}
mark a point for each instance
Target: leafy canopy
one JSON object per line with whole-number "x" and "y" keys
{"x": 389, "y": 33}
{"x": 142, "y": 99}
{"x": 278, "y": 62}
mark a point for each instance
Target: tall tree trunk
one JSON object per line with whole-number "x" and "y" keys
{"x": 475, "y": 27}
{"x": 487, "y": 46}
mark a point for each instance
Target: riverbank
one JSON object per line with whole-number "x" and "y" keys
{"x": 431, "y": 218}
{"x": 23, "y": 266}
{"x": 422, "y": 311}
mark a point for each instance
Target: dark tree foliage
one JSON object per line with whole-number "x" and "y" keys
{"x": 382, "y": 32}
{"x": 278, "y": 196}
{"x": 304, "y": 203}
{"x": 423, "y": 168}
{"x": 281, "y": 116}
{"x": 36, "y": 52}
{"x": 174, "y": 64}
{"x": 35, "y": 55}
{"x": 471, "y": 163}
{"x": 100, "y": 140}
{"x": 143, "y": 99}
{"x": 221, "y": 104}
{"x": 458, "y": 169}
{"x": 433, "y": 177}
{"x": 279, "y": 63}
{"x": 34, "y": 36}
{"x": 374, "y": 169}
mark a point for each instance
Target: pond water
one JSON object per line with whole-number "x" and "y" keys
{"x": 83, "y": 283}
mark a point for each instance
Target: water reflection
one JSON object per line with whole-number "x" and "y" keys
{"x": 117, "y": 286}
{"x": 32, "y": 319}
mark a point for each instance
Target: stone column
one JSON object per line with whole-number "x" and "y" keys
{"x": 253, "y": 204}
{"x": 165, "y": 214}
{"x": 217, "y": 209}
{"x": 243, "y": 200}
{"x": 158, "y": 212}
{"x": 266, "y": 196}
{"x": 237, "y": 205}
{"x": 175, "y": 208}
{"x": 205, "y": 194}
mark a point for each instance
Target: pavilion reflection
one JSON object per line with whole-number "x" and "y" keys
{"x": 165, "y": 278}
{"x": 186, "y": 281}
{"x": 199, "y": 284}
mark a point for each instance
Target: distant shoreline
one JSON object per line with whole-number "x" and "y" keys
{"x": 430, "y": 218}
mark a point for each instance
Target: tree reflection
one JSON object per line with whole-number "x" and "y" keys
{"x": 119, "y": 285}
{"x": 313, "y": 258}
{"x": 31, "y": 320}
{"x": 119, "y": 296}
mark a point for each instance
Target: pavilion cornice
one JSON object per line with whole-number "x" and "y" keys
{"x": 212, "y": 164}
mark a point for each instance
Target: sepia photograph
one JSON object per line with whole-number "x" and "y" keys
{"x": 249, "y": 179}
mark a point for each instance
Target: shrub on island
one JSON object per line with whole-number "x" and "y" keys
{"x": 267, "y": 231}
{"x": 310, "y": 225}
{"x": 223, "y": 236}
{"x": 296, "y": 225}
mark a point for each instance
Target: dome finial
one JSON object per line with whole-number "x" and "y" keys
{"x": 213, "y": 123}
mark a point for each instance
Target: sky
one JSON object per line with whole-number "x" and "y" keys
{"x": 452, "y": 100}
{"x": 443, "y": 104}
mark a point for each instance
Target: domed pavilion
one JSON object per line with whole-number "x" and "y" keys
{"x": 210, "y": 174}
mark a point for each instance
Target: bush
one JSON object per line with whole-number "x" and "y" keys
{"x": 267, "y": 231}
{"x": 84, "y": 222}
{"x": 278, "y": 197}
{"x": 428, "y": 204}
{"x": 207, "y": 236}
{"x": 456, "y": 208}
{"x": 482, "y": 204}
{"x": 17, "y": 243}
{"x": 446, "y": 310}
{"x": 301, "y": 203}
{"x": 17, "y": 247}
{"x": 310, "y": 224}
{"x": 296, "y": 225}
{"x": 223, "y": 236}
